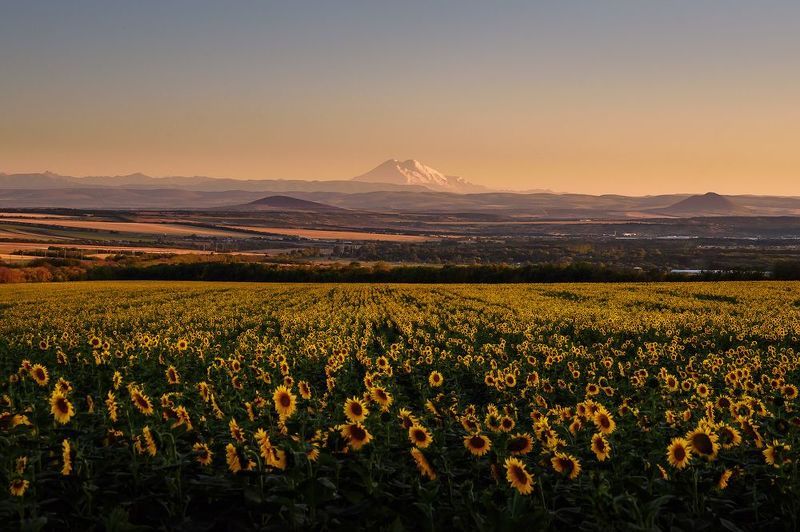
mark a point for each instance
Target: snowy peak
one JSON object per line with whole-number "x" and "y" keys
{"x": 413, "y": 172}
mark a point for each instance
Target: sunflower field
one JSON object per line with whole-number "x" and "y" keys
{"x": 199, "y": 406}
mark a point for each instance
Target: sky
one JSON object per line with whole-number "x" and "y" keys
{"x": 632, "y": 97}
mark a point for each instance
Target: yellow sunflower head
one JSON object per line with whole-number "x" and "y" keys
{"x": 600, "y": 447}
{"x": 420, "y": 436}
{"x": 285, "y": 402}
{"x": 355, "y": 410}
{"x": 519, "y": 444}
{"x": 423, "y": 465}
{"x": 678, "y": 453}
{"x": 567, "y": 465}
{"x": 39, "y": 374}
{"x": 477, "y": 444}
{"x": 203, "y": 454}
{"x": 18, "y": 487}
{"x": 703, "y": 443}
{"x": 356, "y": 435}
{"x": 61, "y": 408}
{"x": 518, "y": 476}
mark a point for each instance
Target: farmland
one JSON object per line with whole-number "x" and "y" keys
{"x": 201, "y": 405}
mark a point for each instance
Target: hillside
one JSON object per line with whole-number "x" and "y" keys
{"x": 708, "y": 204}
{"x": 283, "y": 204}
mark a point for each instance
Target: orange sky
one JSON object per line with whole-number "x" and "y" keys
{"x": 595, "y": 99}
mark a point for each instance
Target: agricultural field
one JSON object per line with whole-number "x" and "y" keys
{"x": 285, "y": 406}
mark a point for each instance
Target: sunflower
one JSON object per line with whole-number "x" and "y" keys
{"x": 182, "y": 344}
{"x": 355, "y": 410}
{"x": 236, "y": 431}
{"x": 356, "y": 435}
{"x": 285, "y": 402}
{"x": 679, "y": 453}
{"x": 430, "y": 407}
{"x": 723, "y": 403}
{"x": 149, "y": 441}
{"x": 777, "y": 453}
{"x": 728, "y": 436}
{"x": 205, "y": 391}
{"x": 477, "y": 444}
{"x": 567, "y": 465}
{"x": 604, "y": 422}
{"x": 520, "y": 443}
{"x": 518, "y": 476}
{"x": 203, "y": 453}
{"x": 21, "y": 464}
{"x": 111, "y": 406}
{"x": 18, "y": 486}
{"x": 469, "y": 423}
{"x": 492, "y": 421}
{"x": 510, "y": 380}
{"x": 305, "y": 390}
{"x": 183, "y": 418}
{"x": 39, "y": 374}
{"x": 313, "y": 453}
{"x": 423, "y": 465}
{"x": 507, "y": 423}
{"x": 382, "y": 397}
{"x": 724, "y": 478}
{"x": 232, "y": 458}
{"x": 420, "y": 436}
{"x": 172, "y": 375}
{"x": 789, "y": 391}
{"x": 18, "y": 419}
{"x": 141, "y": 401}
{"x": 61, "y": 408}
{"x": 277, "y": 458}
{"x": 407, "y": 419}
{"x": 264, "y": 445}
{"x": 435, "y": 379}
{"x": 703, "y": 442}
{"x": 741, "y": 410}
{"x": 66, "y": 469}
{"x": 600, "y": 447}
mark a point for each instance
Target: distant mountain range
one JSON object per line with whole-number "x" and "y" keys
{"x": 48, "y": 180}
{"x": 392, "y": 187}
{"x": 389, "y": 176}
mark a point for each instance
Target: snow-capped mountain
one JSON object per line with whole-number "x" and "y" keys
{"x": 413, "y": 172}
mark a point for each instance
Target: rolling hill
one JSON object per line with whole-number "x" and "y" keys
{"x": 283, "y": 204}
{"x": 708, "y": 204}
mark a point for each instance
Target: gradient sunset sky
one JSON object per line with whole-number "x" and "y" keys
{"x": 630, "y": 97}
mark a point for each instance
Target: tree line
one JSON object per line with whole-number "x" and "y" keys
{"x": 51, "y": 270}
